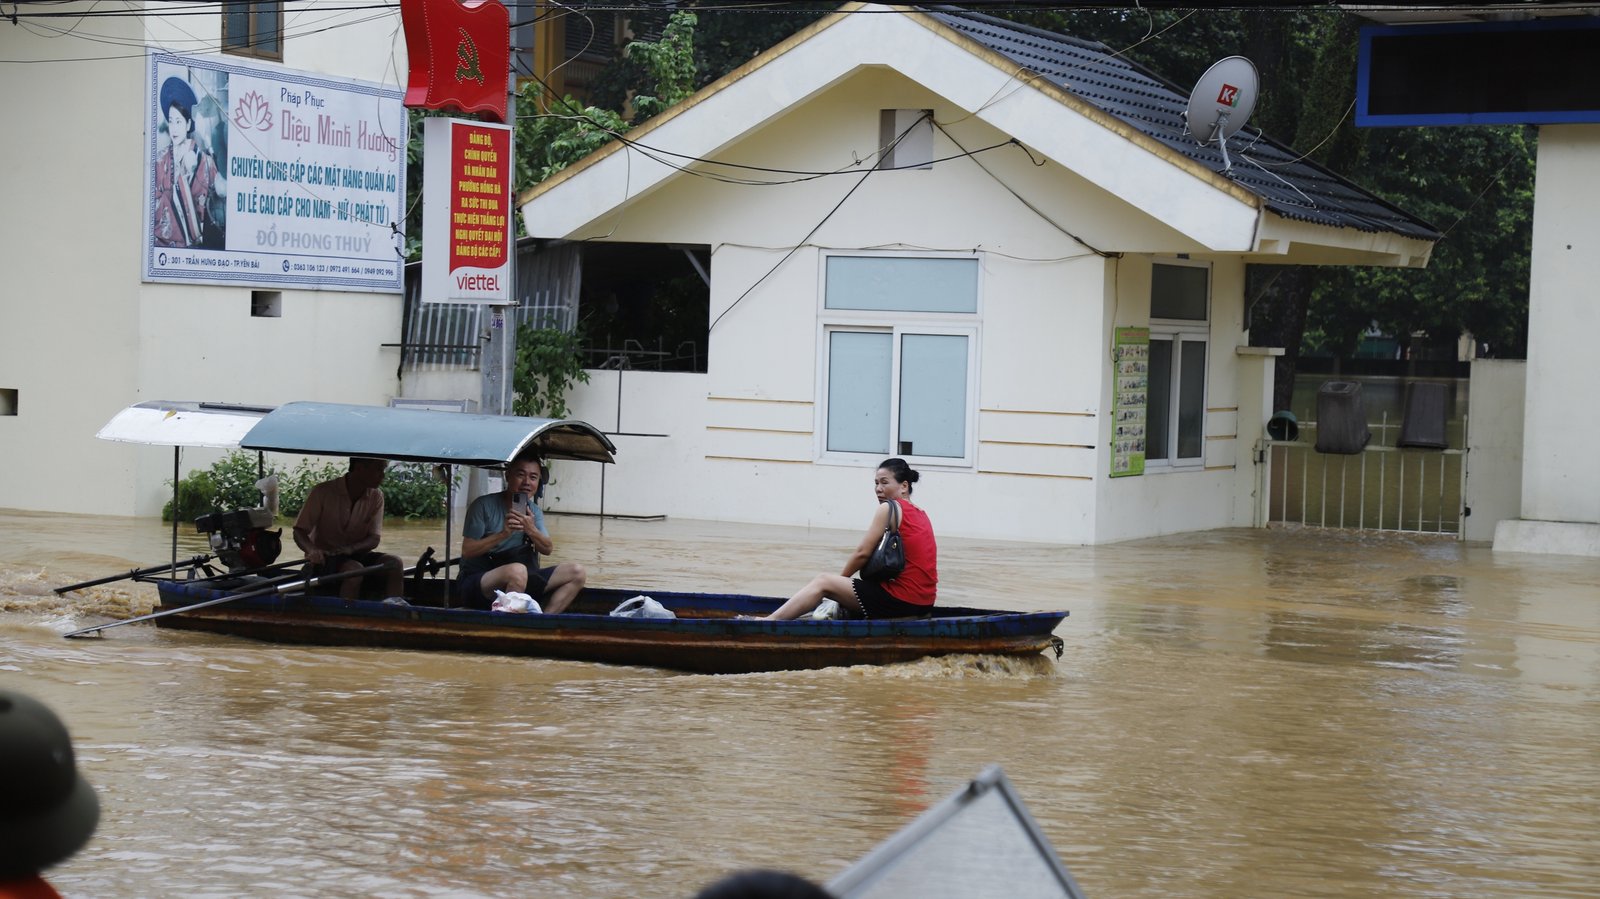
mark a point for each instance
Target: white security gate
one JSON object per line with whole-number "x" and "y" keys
{"x": 1383, "y": 488}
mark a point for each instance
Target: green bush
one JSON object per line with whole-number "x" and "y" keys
{"x": 294, "y": 486}
{"x": 411, "y": 491}
{"x": 409, "y": 488}
{"x": 229, "y": 484}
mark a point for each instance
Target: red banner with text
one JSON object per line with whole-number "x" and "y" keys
{"x": 466, "y": 212}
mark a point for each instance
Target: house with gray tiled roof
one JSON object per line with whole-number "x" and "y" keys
{"x": 989, "y": 249}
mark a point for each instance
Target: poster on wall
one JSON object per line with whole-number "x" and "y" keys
{"x": 267, "y": 177}
{"x": 1130, "y": 362}
{"x": 466, "y": 212}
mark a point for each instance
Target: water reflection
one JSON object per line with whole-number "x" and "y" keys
{"x": 1238, "y": 713}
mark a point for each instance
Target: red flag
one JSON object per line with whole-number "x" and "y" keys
{"x": 460, "y": 55}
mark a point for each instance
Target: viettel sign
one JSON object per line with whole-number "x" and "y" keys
{"x": 460, "y": 55}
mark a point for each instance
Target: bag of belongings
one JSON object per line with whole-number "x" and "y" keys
{"x": 642, "y": 607}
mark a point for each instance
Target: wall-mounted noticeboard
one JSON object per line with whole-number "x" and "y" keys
{"x": 1130, "y": 364}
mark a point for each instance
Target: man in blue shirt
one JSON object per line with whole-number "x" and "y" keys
{"x": 502, "y": 540}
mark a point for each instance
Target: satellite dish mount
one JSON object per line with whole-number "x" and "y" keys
{"x": 1221, "y": 103}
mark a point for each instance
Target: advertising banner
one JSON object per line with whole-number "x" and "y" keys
{"x": 466, "y": 212}
{"x": 1130, "y": 360}
{"x": 266, "y": 177}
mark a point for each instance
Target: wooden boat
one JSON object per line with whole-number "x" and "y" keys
{"x": 707, "y": 635}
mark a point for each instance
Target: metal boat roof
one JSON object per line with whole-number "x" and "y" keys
{"x": 422, "y": 435}
{"x": 168, "y": 423}
{"x": 339, "y": 429}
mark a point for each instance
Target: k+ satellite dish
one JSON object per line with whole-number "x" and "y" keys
{"x": 1221, "y": 103}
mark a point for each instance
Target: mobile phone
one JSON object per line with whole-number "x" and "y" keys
{"x": 519, "y": 501}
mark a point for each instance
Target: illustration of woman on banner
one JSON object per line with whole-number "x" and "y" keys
{"x": 187, "y": 179}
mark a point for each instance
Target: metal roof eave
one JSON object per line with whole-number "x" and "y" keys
{"x": 1288, "y": 241}
{"x": 421, "y": 435}
{"x": 179, "y": 423}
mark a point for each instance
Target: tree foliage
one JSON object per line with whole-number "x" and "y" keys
{"x": 1473, "y": 183}
{"x": 549, "y": 361}
{"x": 554, "y": 133}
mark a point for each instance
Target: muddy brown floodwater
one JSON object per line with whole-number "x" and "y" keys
{"x": 1239, "y": 713}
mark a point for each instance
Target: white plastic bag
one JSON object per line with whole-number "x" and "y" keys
{"x": 827, "y": 610}
{"x": 642, "y": 607}
{"x": 514, "y": 602}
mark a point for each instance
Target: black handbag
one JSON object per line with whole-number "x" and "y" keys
{"x": 889, "y": 559}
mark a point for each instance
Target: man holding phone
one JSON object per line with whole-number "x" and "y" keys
{"x": 501, "y": 543}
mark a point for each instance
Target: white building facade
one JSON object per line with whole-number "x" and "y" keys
{"x": 82, "y": 334}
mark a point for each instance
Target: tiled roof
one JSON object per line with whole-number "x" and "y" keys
{"x": 1291, "y": 187}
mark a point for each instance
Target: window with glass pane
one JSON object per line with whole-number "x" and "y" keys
{"x": 1192, "y": 399}
{"x": 933, "y": 395}
{"x": 902, "y": 284}
{"x": 1175, "y": 416}
{"x": 253, "y": 27}
{"x": 1179, "y": 292}
{"x": 860, "y": 369}
{"x": 1158, "y": 412}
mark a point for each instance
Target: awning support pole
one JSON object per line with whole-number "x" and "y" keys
{"x": 176, "y": 452}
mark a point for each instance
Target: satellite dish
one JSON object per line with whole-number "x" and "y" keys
{"x": 1221, "y": 103}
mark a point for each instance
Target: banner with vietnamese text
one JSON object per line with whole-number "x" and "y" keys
{"x": 466, "y": 212}
{"x": 264, "y": 176}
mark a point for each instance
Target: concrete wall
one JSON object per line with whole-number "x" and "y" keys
{"x": 1560, "y": 481}
{"x": 1494, "y": 445}
{"x": 80, "y": 335}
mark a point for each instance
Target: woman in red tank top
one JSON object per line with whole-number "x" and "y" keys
{"x": 909, "y": 595}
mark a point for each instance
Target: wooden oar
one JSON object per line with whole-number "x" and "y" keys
{"x": 286, "y": 587}
{"x": 137, "y": 572}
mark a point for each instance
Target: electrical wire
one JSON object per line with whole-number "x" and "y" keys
{"x": 1025, "y": 201}
{"x": 883, "y": 153}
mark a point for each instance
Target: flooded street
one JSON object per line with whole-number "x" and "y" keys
{"x": 1238, "y": 713}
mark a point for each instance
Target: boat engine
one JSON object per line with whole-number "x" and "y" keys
{"x": 240, "y": 538}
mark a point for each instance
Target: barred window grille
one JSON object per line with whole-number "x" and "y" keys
{"x": 449, "y": 336}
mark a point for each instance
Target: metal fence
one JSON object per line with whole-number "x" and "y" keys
{"x": 1383, "y": 488}
{"x": 449, "y": 336}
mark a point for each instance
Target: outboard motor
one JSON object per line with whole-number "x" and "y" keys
{"x": 240, "y": 538}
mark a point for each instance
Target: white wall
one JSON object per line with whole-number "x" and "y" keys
{"x": 1494, "y": 445}
{"x": 81, "y": 336}
{"x": 1560, "y": 481}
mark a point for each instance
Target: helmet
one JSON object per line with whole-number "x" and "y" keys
{"x": 50, "y": 810}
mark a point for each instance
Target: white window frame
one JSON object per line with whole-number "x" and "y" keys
{"x": 1181, "y": 331}
{"x": 898, "y": 325}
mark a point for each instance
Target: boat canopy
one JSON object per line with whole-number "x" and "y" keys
{"x": 422, "y": 435}
{"x": 337, "y": 429}
{"x": 167, "y": 423}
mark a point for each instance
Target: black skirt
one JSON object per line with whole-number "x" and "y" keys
{"x": 878, "y": 603}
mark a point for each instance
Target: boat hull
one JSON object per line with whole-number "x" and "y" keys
{"x": 705, "y": 638}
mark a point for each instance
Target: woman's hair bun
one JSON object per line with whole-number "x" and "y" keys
{"x": 903, "y": 473}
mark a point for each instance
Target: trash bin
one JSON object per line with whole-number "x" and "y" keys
{"x": 1425, "y": 416}
{"x": 1341, "y": 418}
{"x": 1283, "y": 426}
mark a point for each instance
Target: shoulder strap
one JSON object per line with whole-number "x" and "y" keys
{"x": 894, "y": 515}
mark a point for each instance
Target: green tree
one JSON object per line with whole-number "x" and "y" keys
{"x": 1474, "y": 183}
{"x": 554, "y": 133}
{"x": 549, "y": 361}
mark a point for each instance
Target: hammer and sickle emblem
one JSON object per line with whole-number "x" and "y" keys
{"x": 467, "y": 54}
